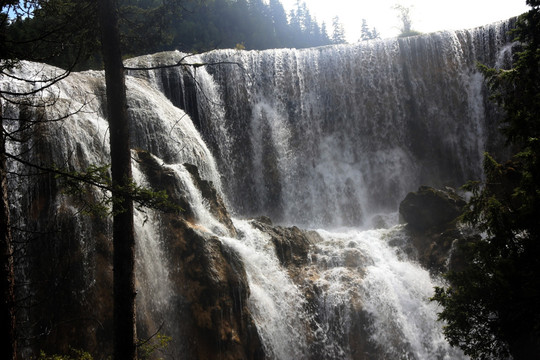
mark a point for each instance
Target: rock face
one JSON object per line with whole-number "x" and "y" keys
{"x": 216, "y": 204}
{"x": 209, "y": 277}
{"x": 431, "y": 216}
{"x": 208, "y": 312}
{"x": 292, "y": 244}
{"x": 430, "y": 208}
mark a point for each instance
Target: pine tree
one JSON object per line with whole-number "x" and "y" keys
{"x": 279, "y": 20}
{"x": 325, "y": 38}
{"x": 366, "y": 33}
{"x": 338, "y": 33}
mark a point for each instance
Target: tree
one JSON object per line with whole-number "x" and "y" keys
{"x": 124, "y": 292}
{"x": 7, "y": 277}
{"x": 146, "y": 26}
{"x": 262, "y": 26}
{"x": 44, "y": 31}
{"x": 325, "y": 39}
{"x": 338, "y": 33}
{"x": 279, "y": 20}
{"x": 404, "y": 15}
{"x": 491, "y": 306}
{"x": 366, "y": 33}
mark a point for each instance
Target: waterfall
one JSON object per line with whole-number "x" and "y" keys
{"x": 366, "y": 122}
{"x": 328, "y": 138}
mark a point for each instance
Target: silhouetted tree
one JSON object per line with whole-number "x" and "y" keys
{"x": 125, "y": 337}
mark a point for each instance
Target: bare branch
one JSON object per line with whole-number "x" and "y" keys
{"x": 183, "y": 64}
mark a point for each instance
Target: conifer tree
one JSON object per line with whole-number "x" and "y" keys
{"x": 491, "y": 307}
{"x": 338, "y": 33}
{"x": 366, "y": 33}
{"x": 124, "y": 292}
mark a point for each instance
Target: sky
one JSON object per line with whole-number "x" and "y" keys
{"x": 427, "y": 15}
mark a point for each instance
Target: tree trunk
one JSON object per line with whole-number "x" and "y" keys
{"x": 7, "y": 277}
{"x": 123, "y": 234}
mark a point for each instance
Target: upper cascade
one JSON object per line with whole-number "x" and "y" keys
{"x": 333, "y": 135}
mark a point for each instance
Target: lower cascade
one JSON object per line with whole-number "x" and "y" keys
{"x": 328, "y": 139}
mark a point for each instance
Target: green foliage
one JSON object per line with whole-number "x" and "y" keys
{"x": 147, "y": 25}
{"x": 480, "y": 307}
{"x": 491, "y": 307}
{"x": 82, "y": 185}
{"x": 148, "y": 349}
{"x": 45, "y": 31}
{"x": 74, "y": 354}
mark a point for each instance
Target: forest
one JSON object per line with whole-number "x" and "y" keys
{"x": 193, "y": 26}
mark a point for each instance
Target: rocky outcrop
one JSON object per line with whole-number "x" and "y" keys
{"x": 162, "y": 178}
{"x": 431, "y": 222}
{"x": 212, "y": 296}
{"x": 209, "y": 278}
{"x": 430, "y": 209}
{"x": 71, "y": 277}
{"x": 292, "y": 244}
{"x": 215, "y": 202}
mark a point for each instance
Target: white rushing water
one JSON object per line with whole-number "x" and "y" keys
{"x": 370, "y": 269}
{"x": 276, "y": 302}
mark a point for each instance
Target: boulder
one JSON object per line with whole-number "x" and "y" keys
{"x": 431, "y": 224}
{"x": 292, "y": 244}
{"x": 430, "y": 208}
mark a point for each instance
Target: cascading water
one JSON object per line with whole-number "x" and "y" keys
{"x": 324, "y": 137}
{"x": 333, "y": 135}
{"x": 276, "y": 302}
{"x": 75, "y": 144}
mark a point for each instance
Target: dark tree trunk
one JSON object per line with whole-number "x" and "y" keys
{"x": 7, "y": 277}
{"x": 123, "y": 235}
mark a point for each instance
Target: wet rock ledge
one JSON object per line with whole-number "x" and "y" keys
{"x": 431, "y": 217}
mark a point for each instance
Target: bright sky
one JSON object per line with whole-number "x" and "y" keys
{"x": 427, "y": 15}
